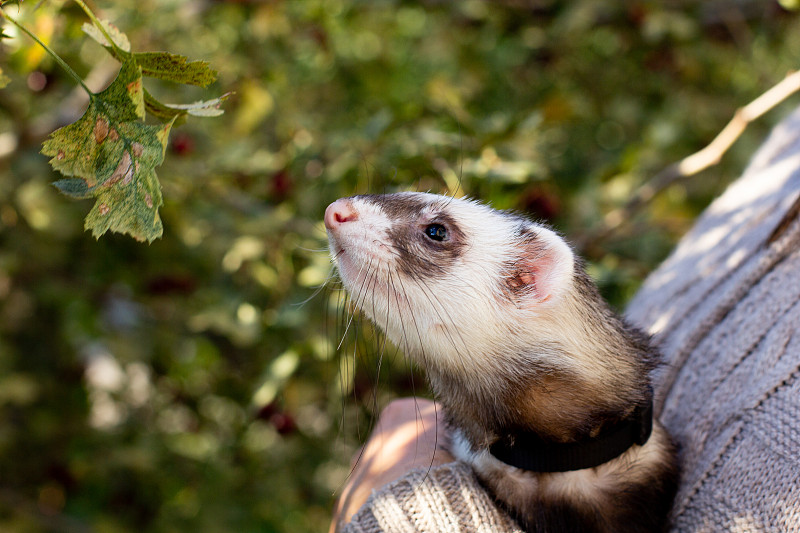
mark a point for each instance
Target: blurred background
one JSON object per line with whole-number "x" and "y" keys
{"x": 198, "y": 383}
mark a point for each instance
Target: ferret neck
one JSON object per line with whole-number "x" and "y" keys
{"x": 528, "y": 451}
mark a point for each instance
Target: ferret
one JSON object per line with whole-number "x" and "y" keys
{"x": 545, "y": 390}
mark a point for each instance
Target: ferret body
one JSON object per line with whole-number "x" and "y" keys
{"x": 516, "y": 342}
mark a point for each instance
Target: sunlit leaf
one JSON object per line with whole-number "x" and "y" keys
{"x": 206, "y": 108}
{"x": 4, "y": 80}
{"x": 179, "y": 112}
{"x": 119, "y": 38}
{"x": 110, "y": 154}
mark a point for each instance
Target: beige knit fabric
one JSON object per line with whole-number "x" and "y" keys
{"x": 442, "y": 499}
{"x": 725, "y": 309}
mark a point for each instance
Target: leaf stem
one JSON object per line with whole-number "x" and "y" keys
{"x": 63, "y": 64}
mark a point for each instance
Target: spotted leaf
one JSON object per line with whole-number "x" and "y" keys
{"x": 111, "y": 154}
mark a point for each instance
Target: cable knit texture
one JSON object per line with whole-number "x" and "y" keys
{"x": 725, "y": 310}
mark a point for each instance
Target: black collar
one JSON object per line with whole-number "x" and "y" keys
{"x": 528, "y": 451}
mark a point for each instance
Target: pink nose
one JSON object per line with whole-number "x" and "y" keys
{"x": 339, "y": 212}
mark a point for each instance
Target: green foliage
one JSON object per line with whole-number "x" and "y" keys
{"x": 195, "y": 384}
{"x": 110, "y": 153}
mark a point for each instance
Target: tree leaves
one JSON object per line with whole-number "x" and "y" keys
{"x": 111, "y": 154}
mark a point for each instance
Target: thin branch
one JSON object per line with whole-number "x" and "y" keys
{"x": 701, "y": 160}
{"x": 49, "y": 51}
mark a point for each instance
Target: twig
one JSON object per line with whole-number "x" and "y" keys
{"x": 50, "y": 52}
{"x": 701, "y": 160}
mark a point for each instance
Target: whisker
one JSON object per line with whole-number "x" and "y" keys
{"x": 381, "y": 352}
{"x": 400, "y": 315}
{"x": 313, "y": 250}
{"x": 331, "y": 275}
{"x": 356, "y": 305}
{"x": 424, "y": 357}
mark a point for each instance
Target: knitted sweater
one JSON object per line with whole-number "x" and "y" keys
{"x": 725, "y": 310}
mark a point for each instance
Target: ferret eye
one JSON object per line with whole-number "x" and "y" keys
{"x": 437, "y": 232}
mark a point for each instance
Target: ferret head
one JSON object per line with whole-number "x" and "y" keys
{"x": 445, "y": 277}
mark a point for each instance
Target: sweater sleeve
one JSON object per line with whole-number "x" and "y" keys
{"x": 445, "y": 498}
{"x": 725, "y": 309}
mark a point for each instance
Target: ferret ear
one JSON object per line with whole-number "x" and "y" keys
{"x": 542, "y": 271}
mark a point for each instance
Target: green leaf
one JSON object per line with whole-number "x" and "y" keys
{"x": 78, "y": 148}
{"x": 119, "y": 38}
{"x": 76, "y": 188}
{"x": 124, "y": 98}
{"x": 111, "y": 154}
{"x": 177, "y": 68}
{"x": 132, "y": 207}
{"x": 4, "y": 80}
